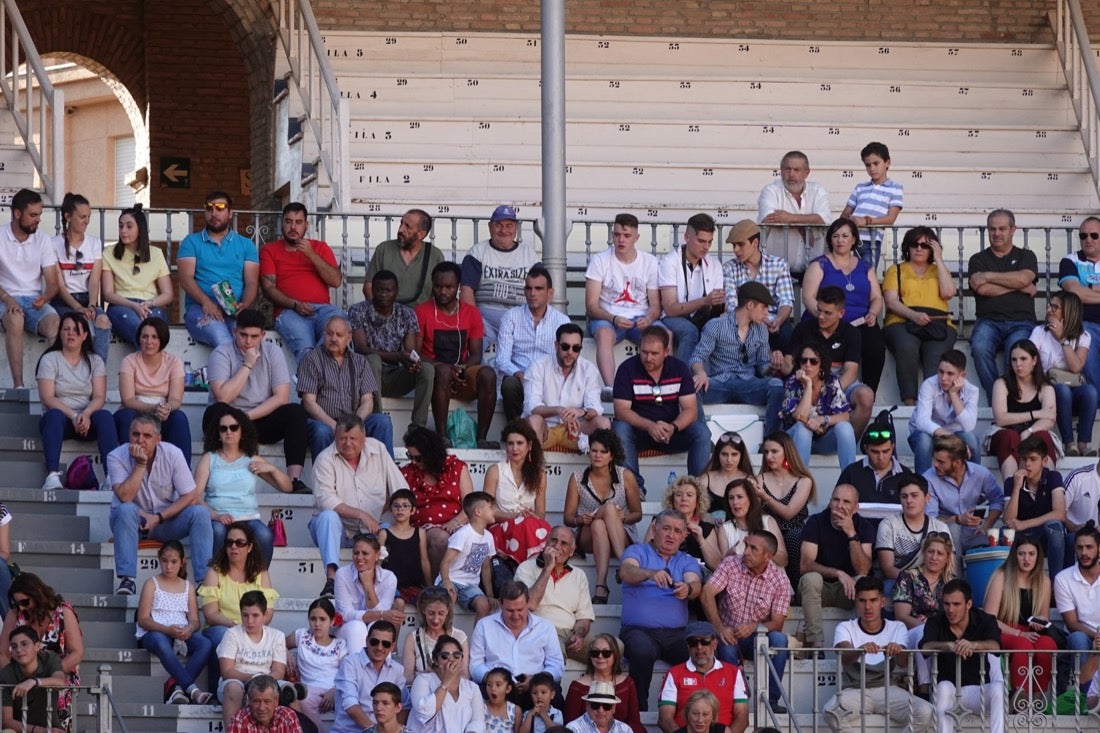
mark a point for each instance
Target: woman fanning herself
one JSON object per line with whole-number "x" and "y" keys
{"x": 604, "y": 504}
{"x": 746, "y": 515}
{"x": 1023, "y": 405}
{"x": 785, "y": 490}
{"x": 1064, "y": 345}
{"x": 136, "y": 280}
{"x": 518, "y": 486}
{"x": 1019, "y": 595}
{"x": 728, "y": 461}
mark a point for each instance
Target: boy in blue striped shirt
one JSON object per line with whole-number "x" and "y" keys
{"x": 874, "y": 203}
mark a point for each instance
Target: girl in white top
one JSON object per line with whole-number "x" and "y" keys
{"x": 366, "y": 592}
{"x": 80, "y": 260}
{"x": 168, "y": 616}
{"x": 443, "y": 700}
{"x": 436, "y": 622}
{"x": 747, "y": 515}
{"x": 316, "y": 660}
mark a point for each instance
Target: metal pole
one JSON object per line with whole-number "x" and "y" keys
{"x": 555, "y": 227}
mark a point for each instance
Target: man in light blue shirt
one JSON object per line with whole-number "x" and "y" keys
{"x": 515, "y": 639}
{"x": 956, "y": 487}
{"x": 947, "y": 404}
{"x": 526, "y": 334}
{"x": 360, "y": 672}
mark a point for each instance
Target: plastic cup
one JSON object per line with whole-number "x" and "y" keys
{"x": 1008, "y": 536}
{"x": 994, "y": 536}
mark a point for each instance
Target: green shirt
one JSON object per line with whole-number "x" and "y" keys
{"x": 387, "y": 256}
{"x": 49, "y": 663}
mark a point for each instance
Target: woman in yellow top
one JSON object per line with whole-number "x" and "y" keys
{"x": 136, "y": 281}
{"x": 237, "y": 567}
{"x": 918, "y": 282}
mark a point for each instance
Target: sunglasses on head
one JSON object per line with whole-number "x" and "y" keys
{"x": 237, "y": 543}
{"x": 601, "y": 705}
{"x": 1088, "y": 235}
{"x": 216, "y": 206}
{"x": 730, "y": 438}
{"x": 229, "y": 428}
{"x": 596, "y": 653}
{"x": 939, "y": 536}
{"x": 700, "y": 641}
{"x": 575, "y": 348}
{"x": 658, "y": 398}
{"x": 386, "y": 644}
{"x": 885, "y": 434}
{"x": 812, "y": 360}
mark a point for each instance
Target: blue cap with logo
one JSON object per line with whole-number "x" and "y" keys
{"x": 504, "y": 212}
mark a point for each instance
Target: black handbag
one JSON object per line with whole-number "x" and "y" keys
{"x": 936, "y": 330}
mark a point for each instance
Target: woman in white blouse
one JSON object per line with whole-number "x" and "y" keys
{"x": 366, "y": 592}
{"x": 443, "y": 700}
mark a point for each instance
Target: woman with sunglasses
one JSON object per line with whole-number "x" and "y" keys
{"x": 35, "y": 604}
{"x": 747, "y": 516}
{"x": 1064, "y": 346}
{"x": 729, "y": 460}
{"x": 840, "y": 266}
{"x": 136, "y": 280}
{"x": 72, "y": 387}
{"x": 1023, "y": 405}
{"x": 786, "y": 488}
{"x": 916, "y": 291}
{"x": 227, "y": 477}
{"x": 437, "y": 611}
{"x": 815, "y": 410}
{"x": 1019, "y": 592}
{"x": 365, "y": 592}
{"x": 605, "y": 664}
{"x": 518, "y": 487}
{"x": 443, "y": 699}
{"x": 238, "y": 567}
{"x": 603, "y": 503}
{"x": 919, "y": 592}
{"x": 440, "y": 482}
{"x": 80, "y": 259}
{"x": 150, "y": 380}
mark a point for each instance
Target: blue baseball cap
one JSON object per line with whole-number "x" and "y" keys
{"x": 504, "y": 212}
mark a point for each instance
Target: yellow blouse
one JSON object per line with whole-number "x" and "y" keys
{"x": 918, "y": 291}
{"x": 228, "y": 595}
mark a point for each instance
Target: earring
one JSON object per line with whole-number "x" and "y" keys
{"x": 786, "y": 465}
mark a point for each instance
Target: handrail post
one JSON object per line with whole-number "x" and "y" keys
{"x": 103, "y": 704}
{"x": 760, "y": 675}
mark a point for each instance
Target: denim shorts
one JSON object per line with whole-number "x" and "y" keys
{"x": 466, "y": 594}
{"x": 31, "y": 316}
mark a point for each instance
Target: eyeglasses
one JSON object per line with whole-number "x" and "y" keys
{"x": 695, "y": 641}
{"x": 597, "y": 653}
{"x": 812, "y": 360}
{"x": 575, "y": 348}
{"x": 730, "y": 438}
{"x": 1088, "y": 235}
{"x": 386, "y": 644}
{"x": 401, "y": 505}
{"x": 880, "y": 434}
{"x": 414, "y": 457}
{"x": 229, "y": 428}
{"x": 237, "y": 543}
{"x": 442, "y": 655}
{"x": 216, "y": 206}
{"x": 601, "y": 705}
{"x": 24, "y": 602}
{"x": 136, "y": 270}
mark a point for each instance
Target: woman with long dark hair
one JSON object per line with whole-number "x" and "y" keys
{"x": 1023, "y": 405}
{"x": 518, "y": 487}
{"x": 136, "y": 280}
{"x": 786, "y": 488}
{"x": 729, "y": 460}
{"x": 815, "y": 410}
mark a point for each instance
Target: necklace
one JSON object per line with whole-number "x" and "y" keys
{"x": 850, "y": 287}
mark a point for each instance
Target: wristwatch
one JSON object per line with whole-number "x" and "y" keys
{"x": 853, "y": 538}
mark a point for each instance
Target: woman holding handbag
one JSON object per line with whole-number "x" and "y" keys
{"x": 918, "y": 328}
{"x": 1064, "y": 345}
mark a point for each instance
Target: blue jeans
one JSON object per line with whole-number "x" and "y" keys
{"x": 213, "y": 667}
{"x": 694, "y": 439}
{"x": 192, "y": 523}
{"x": 377, "y": 426}
{"x": 840, "y": 439}
{"x": 921, "y": 443}
{"x": 264, "y": 538}
{"x": 5, "y": 586}
{"x": 199, "y": 649}
{"x": 1092, "y": 361}
{"x": 1080, "y": 400}
{"x": 175, "y": 430}
{"x": 765, "y": 391}
{"x": 685, "y": 337}
{"x": 632, "y": 334}
{"x": 56, "y": 428}
{"x": 745, "y": 649}
{"x": 327, "y": 531}
{"x": 302, "y": 333}
{"x": 986, "y": 339}
{"x": 1053, "y": 535}
{"x": 210, "y": 332}
{"x": 125, "y": 321}
{"x": 869, "y": 252}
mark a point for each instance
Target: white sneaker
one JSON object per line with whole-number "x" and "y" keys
{"x": 53, "y": 481}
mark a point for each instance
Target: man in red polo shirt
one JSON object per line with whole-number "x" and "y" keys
{"x": 703, "y": 671}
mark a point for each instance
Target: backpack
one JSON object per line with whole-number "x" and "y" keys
{"x": 80, "y": 475}
{"x": 461, "y": 429}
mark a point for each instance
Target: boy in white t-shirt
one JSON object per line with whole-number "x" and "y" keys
{"x": 465, "y": 565}
{"x": 248, "y": 649}
{"x": 621, "y": 296}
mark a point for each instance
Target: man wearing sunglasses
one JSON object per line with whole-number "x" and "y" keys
{"x": 1080, "y": 274}
{"x": 561, "y": 397}
{"x": 217, "y": 268}
{"x": 599, "y": 716}
{"x": 154, "y": 497}
{"x": 360, "y": 672}
{"x": 703, "y": 671}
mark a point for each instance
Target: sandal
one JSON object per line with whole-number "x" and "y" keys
{"x": 201, "y": 697}
{"x": 601, "y": 599}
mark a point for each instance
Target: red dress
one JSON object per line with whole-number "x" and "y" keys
{"x": 439, "y": 504}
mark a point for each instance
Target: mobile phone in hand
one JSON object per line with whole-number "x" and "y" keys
{"x": 979, "y": 513}
{"x": 1045, "y": 623}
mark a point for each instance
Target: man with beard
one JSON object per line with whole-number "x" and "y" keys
{"x": 409, "y": 257}
{"x": 1075, "y": 591}
{"x": 791, "y": 206}
{"x": 561, "y": 398}
{"x": 28, "y": 280}
{"x": 219, "y": 270}
{"x": 295, "y": 275}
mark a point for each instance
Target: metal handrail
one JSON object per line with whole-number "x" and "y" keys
{"x": 324, "y": 113}
{"x": 36, "y": 105}
{"x": 1082, "y": 78}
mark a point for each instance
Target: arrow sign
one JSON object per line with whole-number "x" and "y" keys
{"x": 175, "y": 172}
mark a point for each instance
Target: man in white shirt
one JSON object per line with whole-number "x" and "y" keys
{"x": 353, "y": 479}
{"x": 561, "y": 399}
{"x": 559, "y": 593}
{"x": 621, "y": 296}
{"x": 1082, "y": 494}
{"x": 791, "y": 207}
{"x": 1075, "y": 591}
{"x": 29, "y": 279}
{"x": 691, "y": 286}
{"x": 947, "y": 404}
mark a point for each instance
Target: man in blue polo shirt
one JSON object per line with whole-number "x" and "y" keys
{"x": 656, "y": 407}
{"x": 219, "y": 272}
{"x": 1080, "y": 274}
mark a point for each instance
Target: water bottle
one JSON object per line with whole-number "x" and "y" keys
{"x": 188, "y": 375}
{"x": 671, "y": 478}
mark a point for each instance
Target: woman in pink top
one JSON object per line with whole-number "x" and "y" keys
{"x": 151, "y": 380}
